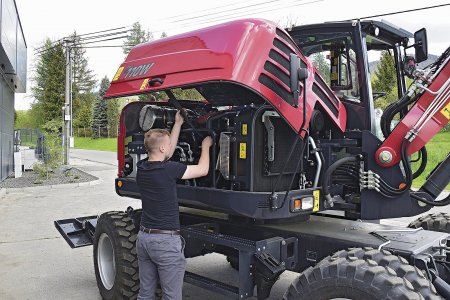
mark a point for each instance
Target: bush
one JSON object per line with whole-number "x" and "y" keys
{"x": 52, "y": 152}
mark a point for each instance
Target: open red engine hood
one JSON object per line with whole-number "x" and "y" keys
{"x": 251, "y": 53}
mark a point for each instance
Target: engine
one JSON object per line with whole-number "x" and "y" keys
{"x": 251, "y": 144}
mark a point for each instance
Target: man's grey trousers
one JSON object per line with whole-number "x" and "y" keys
{"x": 161, "y": 256}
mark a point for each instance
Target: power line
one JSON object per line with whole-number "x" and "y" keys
{"x": 228, "y": 10}
{"x": 101, "y": 31}
{"x": 203, "y": 10}
{"x": 86, "y": 40}
{"x": 241, "y": 14}
{"x": 103, "y": 35}
{"x": 104, "y": 40}
{"x": 400, "y": 12}
{"x": 103, "y": 46}
{"x": 84, "y": 34}
{"x": 47, "y": 49}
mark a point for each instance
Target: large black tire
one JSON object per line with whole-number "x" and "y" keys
{"x": 115, "y": 257}
{"x": 345, "y": 276}
{"x": 434, "y": 222}
{"x": 399, "y": 265}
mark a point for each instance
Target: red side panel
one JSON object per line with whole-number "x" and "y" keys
{"x": 439, "y": 119}
{"x": 241, "y": 52}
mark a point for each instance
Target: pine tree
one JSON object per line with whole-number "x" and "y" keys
{"x": 49, "y": 83}
{"x": 83, "y": 116}
{"x": 82, "y": 85}
{"x": 321, "y": 64}
{"x": 83, "y": 77}
{"x": 137, "y": 36}
{"x": 100, "y": 111}
{"x": 386, "y": 78}
{"x": 113, "y": 106}
{"x": 163, "y": 34}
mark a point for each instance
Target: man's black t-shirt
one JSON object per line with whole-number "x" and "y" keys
{"x": 157, "y": 184}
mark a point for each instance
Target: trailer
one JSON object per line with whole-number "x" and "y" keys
{"x": 300, "y": 169}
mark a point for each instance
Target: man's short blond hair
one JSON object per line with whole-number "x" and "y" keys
{"x": 154, "y": 138}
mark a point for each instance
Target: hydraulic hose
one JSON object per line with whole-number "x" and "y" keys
{"x": 392, "y": 192}
{"x": 423, "y": 163}
{"x": 424, "y": 197}
{"x": 327, "y": 176}
{"x": 391, "y": 111}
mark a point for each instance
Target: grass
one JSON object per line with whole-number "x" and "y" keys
{"x": 437, "y": 149}
{"x": 103, "y": 144}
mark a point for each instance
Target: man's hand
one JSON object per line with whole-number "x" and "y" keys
{"x": 179, "y": 118}
{"x": 207, "y": 142}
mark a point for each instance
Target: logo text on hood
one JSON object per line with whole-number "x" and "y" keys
{"x": 138, "y": 70}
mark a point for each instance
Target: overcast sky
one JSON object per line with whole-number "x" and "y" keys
{"x": 55, "y": 19}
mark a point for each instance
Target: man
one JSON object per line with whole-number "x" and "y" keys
{"x": 159, "y": 245}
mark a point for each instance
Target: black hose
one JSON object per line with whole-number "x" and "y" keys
{"x": 390, "y": 112}
{"x": 428, "y": 199}
{"x": 423, "y": 163}
{"x": 391, "y": 191}
{"x": 327, "y": 175}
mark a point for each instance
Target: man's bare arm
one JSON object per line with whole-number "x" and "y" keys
{"x": 175, "y": 133}
{"x": 202, "y": 168}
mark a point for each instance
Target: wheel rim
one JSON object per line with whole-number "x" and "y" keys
{"x": 106, "y": 261}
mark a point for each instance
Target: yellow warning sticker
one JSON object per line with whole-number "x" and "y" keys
{"x": 243, "y": 150}
{"x": 316, "y": 195}
{"x": 244, "y": 129}
{"x": 446, "y": 111}
{"x": 144, "y": 84}
{"x": 334, "y": 76}
{"x": 118, "y": 73}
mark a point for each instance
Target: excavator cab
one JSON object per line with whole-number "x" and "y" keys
{"x": 344, "y": 54}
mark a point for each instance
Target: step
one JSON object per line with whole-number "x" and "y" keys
{"x": 200, "y": 233}
{"x": 212, "y": 285}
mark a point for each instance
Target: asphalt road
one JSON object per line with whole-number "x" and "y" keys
{"x": 36, "y": 263}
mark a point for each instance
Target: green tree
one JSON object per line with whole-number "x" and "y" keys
{"x": 82, "y": 86}
{"x": 137, "y": 36}
{"x": 385, "y": 80}
{"x": 83, "y": 77}
{"x": 100, "y": 111}
{"x": 322, "y": 65}
{"x": 112, "y": 111}
{"x": 163, "y": 34}
{"x": 83, "y": 116}
{"x": 385, "y": 73}
{"x": 48, "y": 83}
{"x": 24, "y": 120}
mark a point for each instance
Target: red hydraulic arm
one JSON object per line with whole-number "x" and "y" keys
{"x": 429, "y": 114}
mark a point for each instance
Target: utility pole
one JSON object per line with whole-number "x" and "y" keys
{"x": 67, "y": 105}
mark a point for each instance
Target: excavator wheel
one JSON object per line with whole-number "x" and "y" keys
{"x": 399, "y": 265}
{"x": 115, "y": 257}
{"x": 343, "y": 275}
{"x": 433, "y": 222}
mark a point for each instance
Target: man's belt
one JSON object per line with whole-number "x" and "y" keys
{"x": 159, "y": 231}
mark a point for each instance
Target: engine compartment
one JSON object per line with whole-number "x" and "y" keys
{"x": 251, "y": 144}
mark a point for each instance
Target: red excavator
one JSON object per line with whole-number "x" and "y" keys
{"x": 300, "y": 165}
